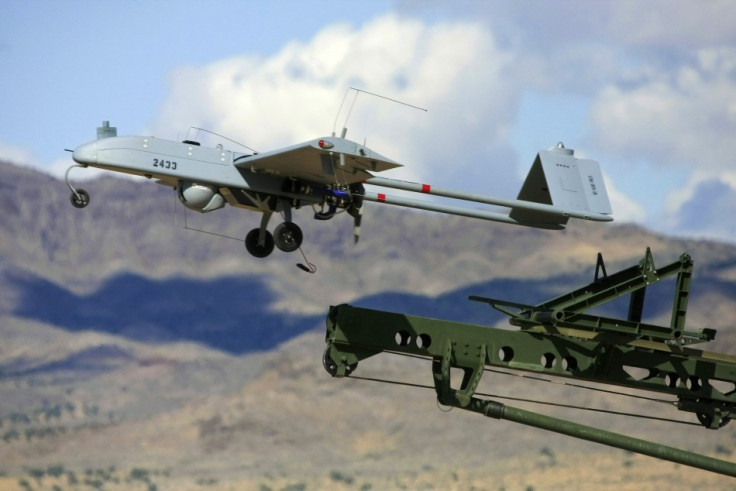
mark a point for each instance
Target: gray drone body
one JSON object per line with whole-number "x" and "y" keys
{"x": 329, "y": 174}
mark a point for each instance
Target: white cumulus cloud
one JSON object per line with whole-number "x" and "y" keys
{"x": 455, "y": 69}
{"x": 625, "y": 208}
{"x": 660, "y": 84}
{"x": 16, "y": 154}
{"x": 686, "y": 117}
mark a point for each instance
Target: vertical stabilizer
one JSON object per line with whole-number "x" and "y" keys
{"x": 558, "y": 178}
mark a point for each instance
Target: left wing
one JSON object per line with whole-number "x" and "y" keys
{"x": 325, "y": 160}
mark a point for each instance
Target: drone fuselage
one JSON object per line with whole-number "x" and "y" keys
{"x": 328, "y": 173}
{"x": 172, "y": 163}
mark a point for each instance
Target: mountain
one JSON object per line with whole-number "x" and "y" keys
{"x": 136, "y": 350}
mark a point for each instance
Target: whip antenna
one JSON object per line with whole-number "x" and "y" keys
{"x": 352, "y": 105}
{"x": 388, "y": 99}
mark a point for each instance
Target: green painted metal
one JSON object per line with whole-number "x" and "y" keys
{"x": 558, "y": 338}
{"x": 567, "y": 310}
{"x": 497, "y": 410}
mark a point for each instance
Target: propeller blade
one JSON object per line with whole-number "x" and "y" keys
{"x": 358, "y": 217}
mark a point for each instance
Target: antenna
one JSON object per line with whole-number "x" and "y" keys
{"x": 388, "y": 99}
{"x": 334, "y": 125}
{"x": 352, "y": 105}
{"x": 220, "y": 136}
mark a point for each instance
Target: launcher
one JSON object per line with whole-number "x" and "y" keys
{"x": 561, "y": 337}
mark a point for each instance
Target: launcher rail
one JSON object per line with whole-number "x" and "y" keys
{"x": 557, "y": 337}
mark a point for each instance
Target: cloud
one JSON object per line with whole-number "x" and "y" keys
{"x": 453, "y": 68}
{"x": 708, "y": 211}
{"x": 685, "y": 117}
{"x": 549, "y": 25}
{"x": 678, "y": 23}
{"x": 16, "y": 154}
{"x": 678, "y": 119}
{"x": 659, "y": 80}
{"x": 59, "y": 167}
{"x": 625, "y": 208}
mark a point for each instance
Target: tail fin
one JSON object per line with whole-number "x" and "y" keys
{"x": 558, "y": 178}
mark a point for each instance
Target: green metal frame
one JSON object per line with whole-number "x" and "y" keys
{"x": 558, "y": 338}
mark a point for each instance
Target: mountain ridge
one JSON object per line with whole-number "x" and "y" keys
{"x": 131, "y": 343}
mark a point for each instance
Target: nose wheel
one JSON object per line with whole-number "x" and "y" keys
{"x": 79, "y": 197}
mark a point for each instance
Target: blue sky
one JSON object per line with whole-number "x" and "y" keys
{"x": 68, "y": 64}
{"x": 646, "y": 88}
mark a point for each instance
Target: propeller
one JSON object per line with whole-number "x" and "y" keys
{"x": 356, "y": 209}
{"x": 357, "y": 218}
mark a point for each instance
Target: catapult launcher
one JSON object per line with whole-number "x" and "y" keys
{"x": 559, "y": 337}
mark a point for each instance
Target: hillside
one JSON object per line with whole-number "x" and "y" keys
{"x": 135, "y": 350}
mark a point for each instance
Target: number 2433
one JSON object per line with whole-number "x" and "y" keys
{"x": 164, "y": 164}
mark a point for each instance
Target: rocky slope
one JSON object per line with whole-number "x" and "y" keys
{"x": 135, "y": 352}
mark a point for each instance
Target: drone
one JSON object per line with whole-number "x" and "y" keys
{"x": 330, "y": 173}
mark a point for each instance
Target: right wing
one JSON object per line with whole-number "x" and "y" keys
{"x": 325, "y": 160}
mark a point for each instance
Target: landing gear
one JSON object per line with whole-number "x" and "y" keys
{"x": 288, "y": 236}
{"x": 79, "y": 197}
{"x": 259, "y": 241}
{"x": 254, "y": 245}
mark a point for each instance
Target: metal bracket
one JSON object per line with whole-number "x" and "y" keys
{"x": 471, "y": 360}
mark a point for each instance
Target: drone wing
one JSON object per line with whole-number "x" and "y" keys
{"x": 324, "y": 160}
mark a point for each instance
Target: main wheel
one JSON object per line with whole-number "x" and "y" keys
{"x": 288, "y": 236}
{"x": 256, "y": 249}
{"x": 80, "y": 199}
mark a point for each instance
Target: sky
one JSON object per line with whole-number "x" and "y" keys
{"x": 647, "y": 89}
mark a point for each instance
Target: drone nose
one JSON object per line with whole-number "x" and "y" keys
{"x": 86, "y": 154}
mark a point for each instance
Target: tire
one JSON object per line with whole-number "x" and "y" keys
{"x": 288, "y": 236}
{"x": 80, "y": 199}
{"x": 255, "y": 249}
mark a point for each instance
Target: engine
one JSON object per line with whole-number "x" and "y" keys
{"x": 200, "y": 197}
